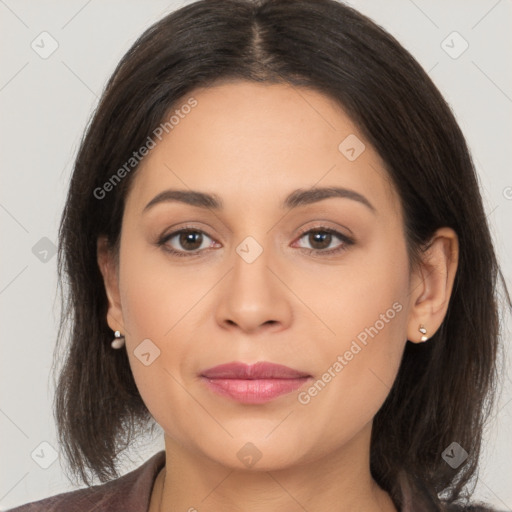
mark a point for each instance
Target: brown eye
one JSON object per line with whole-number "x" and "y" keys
{"x": 320, "y": 239}
{"x": 190, "y": 240}
{"x": 186, "y": 242}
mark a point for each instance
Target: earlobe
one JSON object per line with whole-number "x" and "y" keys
{"x": 107, "y": 266}
{"x": 423, "y": 331}
{"x": 432, "y": 285}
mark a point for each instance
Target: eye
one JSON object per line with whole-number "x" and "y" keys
{"x": 186, "y": 242}
{"x": 320, "y": 238}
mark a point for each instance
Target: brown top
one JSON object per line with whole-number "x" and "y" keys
{"x": 132, "y": 493}
{"x": 128, "y": 493}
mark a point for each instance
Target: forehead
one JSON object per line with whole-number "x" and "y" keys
{"x": 260, "y": 140}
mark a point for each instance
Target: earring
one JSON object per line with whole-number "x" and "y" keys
{"x": 119, "y": 340}
{"x": 423, "y": 332}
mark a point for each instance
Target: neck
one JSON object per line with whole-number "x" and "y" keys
{"x": 337, "y": 481}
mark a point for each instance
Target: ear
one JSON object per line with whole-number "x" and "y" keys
{"x": 109, "y": 271}
{"x": 432, "y": 284}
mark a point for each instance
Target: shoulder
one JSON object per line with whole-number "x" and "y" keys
{"x": 130, "y": 492}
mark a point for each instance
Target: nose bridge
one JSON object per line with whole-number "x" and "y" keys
{"x": 251, "y": 274}
{"x": 252, "y": 295}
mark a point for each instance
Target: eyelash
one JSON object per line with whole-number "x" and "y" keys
{"x": 346, "y": 242}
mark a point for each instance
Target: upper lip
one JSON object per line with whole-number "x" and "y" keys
{"x": 260, "y": 370}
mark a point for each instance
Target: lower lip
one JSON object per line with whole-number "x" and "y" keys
{"x": 253, "y": 391}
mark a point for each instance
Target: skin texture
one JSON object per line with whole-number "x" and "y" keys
{"x": 252, "y": 145}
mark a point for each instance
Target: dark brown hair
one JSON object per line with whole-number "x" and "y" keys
{"x": 444, "y": 389}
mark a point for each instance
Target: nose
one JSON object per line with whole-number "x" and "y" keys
{"x": 254, "y": 296}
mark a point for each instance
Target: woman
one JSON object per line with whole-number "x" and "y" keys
{"x": 277, "y": 251}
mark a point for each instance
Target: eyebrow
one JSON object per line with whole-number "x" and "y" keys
{"x": 295, "y": 199}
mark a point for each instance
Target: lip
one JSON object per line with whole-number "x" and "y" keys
{"x": 260, "y": 370}
{"x": 256, "y": 383}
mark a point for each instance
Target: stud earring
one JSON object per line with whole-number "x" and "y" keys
{"x": 423, "y": 332}
{"x": 118, "y": 342}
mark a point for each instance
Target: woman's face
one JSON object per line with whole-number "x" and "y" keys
{"x": 259, "y": 278}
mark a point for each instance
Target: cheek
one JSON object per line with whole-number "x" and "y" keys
{"x": 157, "y": 348}
{"x": 365, "y": 307}
{"x": 357, "y": 373}
{"x": 156, "y": 292}
{"x": 156, "y": 305}
{"x": 364, "y": 297}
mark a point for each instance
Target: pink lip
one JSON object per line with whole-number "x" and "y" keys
{"x": 260, "y": 370}
{"x": 256, "y": 383}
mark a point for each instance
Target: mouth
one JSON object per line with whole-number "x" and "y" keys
{"x": 253, "y": 384}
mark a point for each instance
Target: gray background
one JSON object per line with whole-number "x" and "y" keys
{"x": 45, "y": 105}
